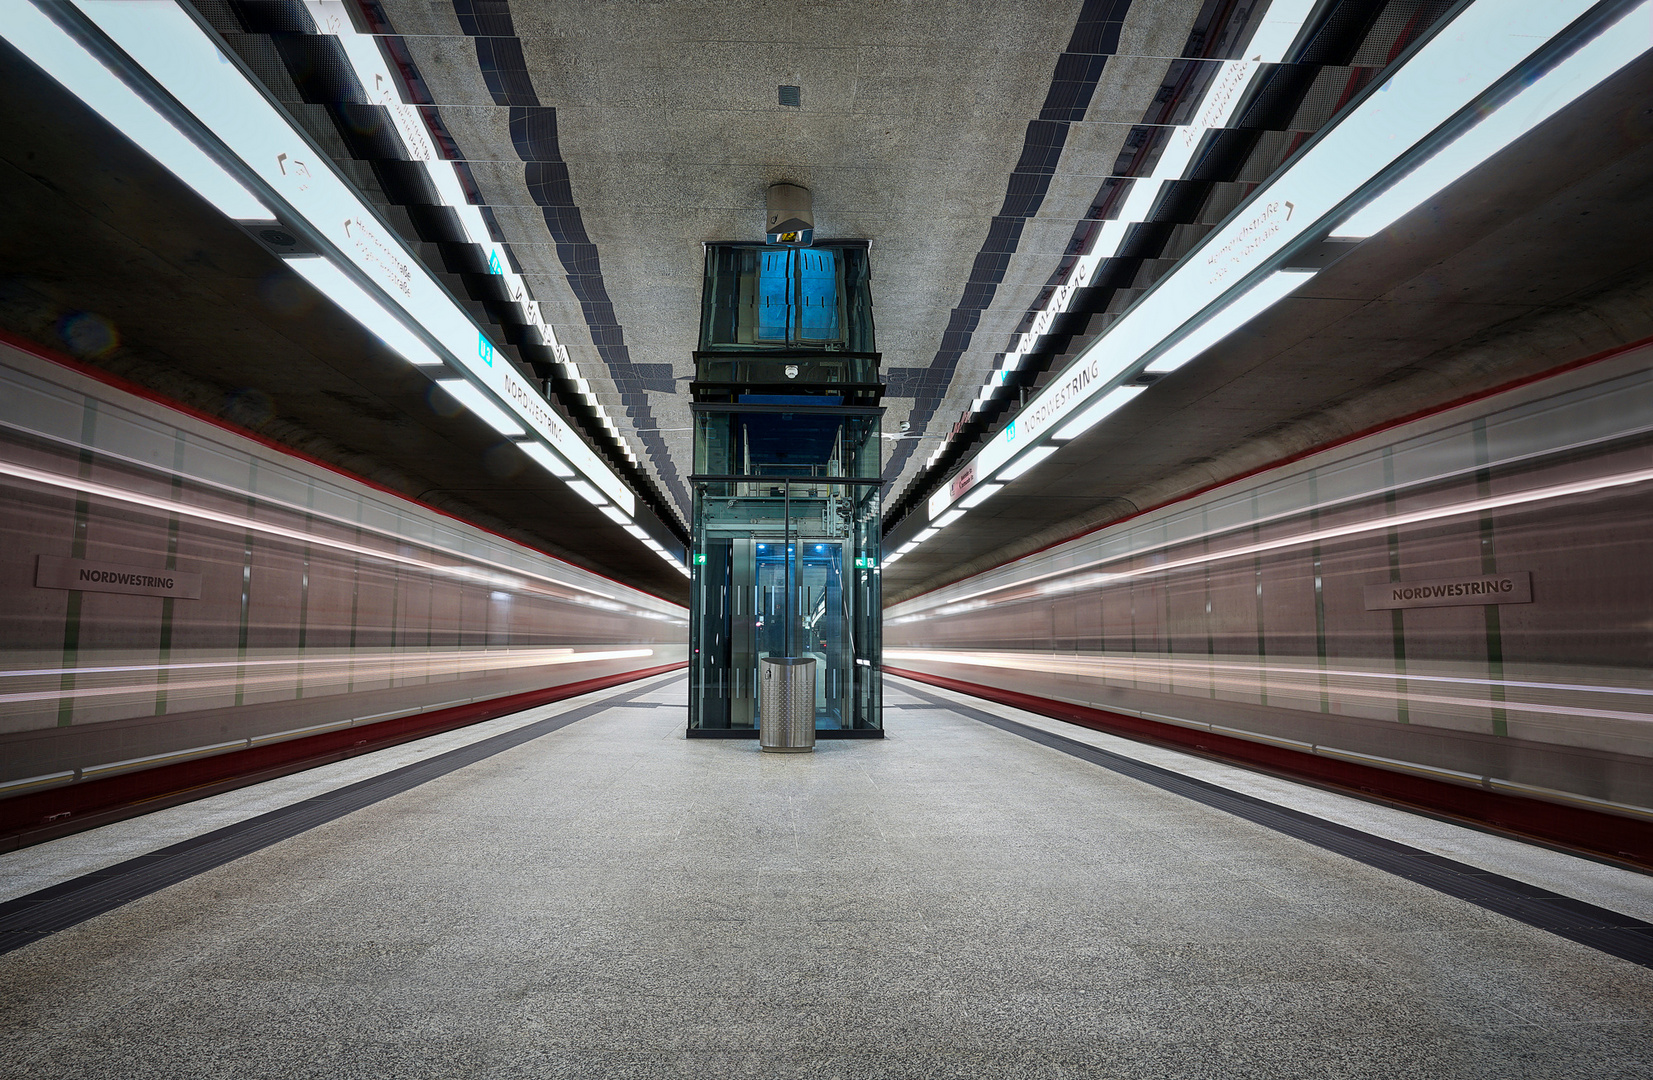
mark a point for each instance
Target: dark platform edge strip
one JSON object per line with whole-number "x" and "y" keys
{"x": 58, "y": 907}
{"x": 1599, "y": 928}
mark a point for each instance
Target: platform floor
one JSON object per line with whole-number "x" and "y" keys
{"x": 610, "y": 899}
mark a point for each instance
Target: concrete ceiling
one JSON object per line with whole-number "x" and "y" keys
{"x": 912, "y": 123}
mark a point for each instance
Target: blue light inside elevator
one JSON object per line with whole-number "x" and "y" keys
{"x": 798, "y": 295}
{"x": 817, "y": 294}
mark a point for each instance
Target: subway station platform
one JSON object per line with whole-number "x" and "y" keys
{"x": 581, "y": 891}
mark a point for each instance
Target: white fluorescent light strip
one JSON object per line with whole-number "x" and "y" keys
{"x": 1109, "y": 404}
{"x": 637, "y": 531}
{"x": 382, "y": 88}
{"x": 1281, "y": 24}
{"x": 334, "y": 284}
{"x": 548, "y": 459}
{"x": 82, "y": 74}
{"x": 980, "y": 495}
{"x": 183, "y": 58}
{"x": 1486, "y": 41}
{"x": 616, "y": 515}
{"x": 1233, "y": 315}
{"x": 1557, "y": 88}
{"x": 381, "y": 84}
{"x": 588, "y": 493}
{"x": 946, "y": 519}
{"x": 1025, "y": 462}
{"x": 477, "y": 402}
{"x": 923, "y": 536}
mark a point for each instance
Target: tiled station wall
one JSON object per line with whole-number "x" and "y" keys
{"x": 322, "y": 600}
{"x": 1244, "y": 610}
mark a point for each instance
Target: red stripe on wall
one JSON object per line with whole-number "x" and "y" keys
{"x": 46, "y": 815}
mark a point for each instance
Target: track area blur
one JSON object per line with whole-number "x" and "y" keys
{"x": 1462, "y": 598}
{"x": 223, "y": 597}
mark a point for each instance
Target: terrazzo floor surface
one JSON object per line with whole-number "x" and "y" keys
{"x": 612, "y": 900}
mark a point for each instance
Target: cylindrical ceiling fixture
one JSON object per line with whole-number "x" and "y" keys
{"x": 791, "y": 218}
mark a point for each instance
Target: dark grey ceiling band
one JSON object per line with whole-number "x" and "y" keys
{"x": 504, "y": 68}
{"x": 1095, "y": 38}
{"x": 1618, "y": 935}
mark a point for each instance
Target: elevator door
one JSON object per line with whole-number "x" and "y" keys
{"x": 812, "y": 625}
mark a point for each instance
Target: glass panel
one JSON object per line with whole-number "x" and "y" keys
{"x": 757, "y": 596}
{"x": 767, "y": 298}
{"x": 775, "y": 292}
{"x": 785, "y": 560}
{"x": 817, "y": 295}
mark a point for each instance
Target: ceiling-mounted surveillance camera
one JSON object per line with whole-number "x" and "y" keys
{"x": 791, "y": 217}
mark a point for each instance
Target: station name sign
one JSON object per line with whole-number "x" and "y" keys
{"x": 53, "y": 572}
{"x": 1510, "y": 588}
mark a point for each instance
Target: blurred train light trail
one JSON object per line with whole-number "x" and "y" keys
{"x": 202, "y": 677}
{"x": 488, "y": 574}
{"x": 1318, "y": 536}
{"x": 1283, "y": 681}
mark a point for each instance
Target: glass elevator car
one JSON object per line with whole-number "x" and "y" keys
{"x": 786, "y": 486}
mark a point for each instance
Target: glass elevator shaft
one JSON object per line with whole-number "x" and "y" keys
{"x": 786, "y": 487}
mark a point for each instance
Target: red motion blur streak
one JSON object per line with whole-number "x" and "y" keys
{"x": 46, "y": 815}
{"x": 1620, "y": 839}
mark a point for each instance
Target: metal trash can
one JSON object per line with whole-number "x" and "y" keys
{"x": 786, "y": 705}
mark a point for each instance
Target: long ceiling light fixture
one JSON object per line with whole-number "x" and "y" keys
{"x": 1547, "y": 95}
{"x": 338, "y": 287}
{"x": 1282, "y": 23}
{"x": 1229, "y": 318}
{"x": 1244, "y": 266}
{"x": 479, "y": 403}
{"x": 380, "y": 84}
{"x": 160, "y": 78}
{"x": 58, "y": 54}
